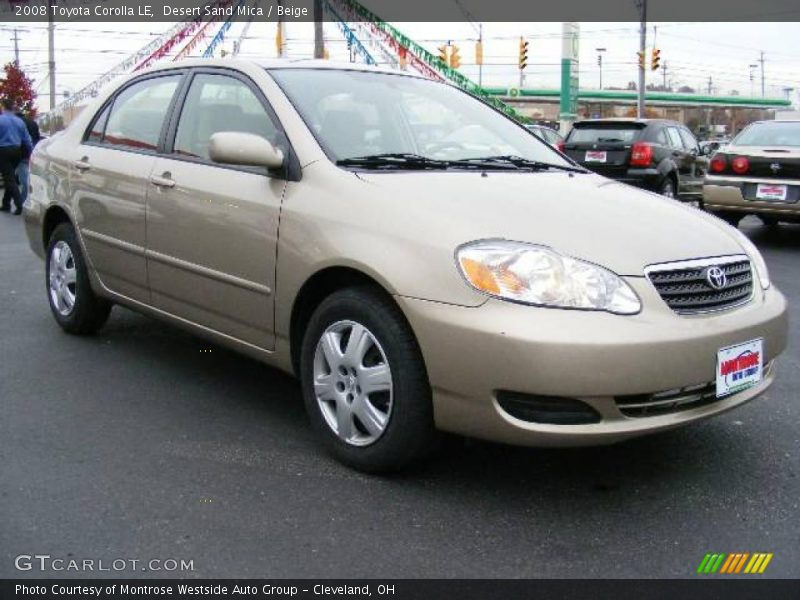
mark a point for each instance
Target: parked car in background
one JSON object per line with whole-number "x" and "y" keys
{"x": 657, "y": 155}
{"x": 475, "y": 282}
{"x": 547, "y": 134}
{"x": 759, "y": 174}
{"x": 708, "y": 147}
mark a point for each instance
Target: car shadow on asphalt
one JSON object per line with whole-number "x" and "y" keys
{"x": 784, "y": 236}
{"x": 262, "y": 405}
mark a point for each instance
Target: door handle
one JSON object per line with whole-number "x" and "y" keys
{"x": 164, "y": 181}
{"x": 82, "y": 164}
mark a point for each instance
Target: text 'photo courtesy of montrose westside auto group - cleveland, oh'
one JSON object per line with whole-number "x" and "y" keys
{"x": 379, "y": 299}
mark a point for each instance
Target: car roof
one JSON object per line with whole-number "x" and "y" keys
{"x": 282, "y": 63}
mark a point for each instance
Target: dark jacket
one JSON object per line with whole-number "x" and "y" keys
{"x": 33, "y": 130}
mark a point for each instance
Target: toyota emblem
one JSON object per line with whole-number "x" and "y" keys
{"x": 775, "y": 167}
{"x": 716, "y": 278}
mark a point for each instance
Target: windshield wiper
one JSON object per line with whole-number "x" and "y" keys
{"x": 394, "y": 160}
{"x": 410, "y": 161}
{"x": 523, "y": 163}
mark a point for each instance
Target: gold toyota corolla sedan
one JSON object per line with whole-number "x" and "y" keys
{"x": 417, "y": 259}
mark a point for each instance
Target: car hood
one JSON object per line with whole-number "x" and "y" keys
{"x": 582, "y": 215}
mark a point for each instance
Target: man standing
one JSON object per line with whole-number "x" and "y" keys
{"x": 24, "y": 167}
{"x": 15, "y": 142}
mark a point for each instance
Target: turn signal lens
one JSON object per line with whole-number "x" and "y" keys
{"x": 740, "y": 165}
{"x": 480, "y": 276}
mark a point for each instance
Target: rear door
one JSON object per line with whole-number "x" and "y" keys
{"x": 109, "y": 178}
{"x": 603, "y": 146}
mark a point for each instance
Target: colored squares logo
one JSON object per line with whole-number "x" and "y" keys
{"x": 736, "y": 563}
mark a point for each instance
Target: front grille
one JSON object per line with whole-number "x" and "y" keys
{"x": 663, "y": 403}
{"x": 672, "y": 401}
{"x": 687, "y": 288}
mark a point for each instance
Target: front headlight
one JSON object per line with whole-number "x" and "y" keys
{"x": 755, "y": 256}
{"x": 541, "y": 276}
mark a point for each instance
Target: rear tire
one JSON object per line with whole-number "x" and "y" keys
{"x": 364, "y": 382}
{"x": 668, "y": 189}
{"x": 75, "y": 306}
{"x": 731, "y": 218}
{"x": 769, "y": 221}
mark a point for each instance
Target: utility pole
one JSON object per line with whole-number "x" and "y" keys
{"x": 319, "y": 44}
{"x": 642, "y": 6}
{"x": 710, "y": 84}
{"x": 664, "y": 73}
{"x": 480, "y": 64}
{"x": 761, "y": 60}
{"x": 16, "y": 47}
{"x": 51, "y": 53}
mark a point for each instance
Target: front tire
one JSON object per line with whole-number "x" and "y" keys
{"x": 364, "y": 382}
{"x": 74, "y": 304}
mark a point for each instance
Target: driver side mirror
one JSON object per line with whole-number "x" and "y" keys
{"x": 246, "y": 149}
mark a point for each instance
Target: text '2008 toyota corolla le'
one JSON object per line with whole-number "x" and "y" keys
{"x": 419, "y": 260}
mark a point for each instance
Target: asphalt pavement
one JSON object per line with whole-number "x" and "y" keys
{"x": 144, "y": 442}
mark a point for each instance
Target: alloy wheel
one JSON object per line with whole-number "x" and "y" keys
{"x": 353, "y": 383}
{"x": 62, "y": 279}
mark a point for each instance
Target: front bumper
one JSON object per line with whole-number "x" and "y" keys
{"x": 472, "y": 353}
{"x": 721, "y": 194}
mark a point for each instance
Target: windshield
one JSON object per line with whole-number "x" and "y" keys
{"x": 770, "y": 134}
{"x": 356, "y": 114}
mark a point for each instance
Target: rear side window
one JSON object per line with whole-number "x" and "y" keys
{"x": 674, "y": 138}
{"x": 619, "y": 133}
{"x": 99, "y": 126}
{"x": 138, "y": 113}
{"x": 218, "y": 103}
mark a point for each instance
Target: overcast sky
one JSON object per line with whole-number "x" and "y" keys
{"x": 692, "y": 51}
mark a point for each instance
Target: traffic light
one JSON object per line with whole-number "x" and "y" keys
{"x": 523, "y": 54}
{"x": 640, "y": 54}
{"x": 655, "y": 61}
{"x": 455, "y": 59}
{"x": 479, "y": 53}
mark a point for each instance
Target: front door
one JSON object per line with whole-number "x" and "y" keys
{"x": 212, "y": 229}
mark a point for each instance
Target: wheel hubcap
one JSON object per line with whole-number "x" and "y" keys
{"x": 667, "y": 191}
{"x": 62, "y": 279}
{"x": 353, "y": 383}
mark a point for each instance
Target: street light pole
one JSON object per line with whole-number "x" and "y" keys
{"x": 752, "y": 78}
{"x": 600, "y": 63}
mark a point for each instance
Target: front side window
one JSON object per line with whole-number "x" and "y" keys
{"x": 689, "y": 142}
{"x": 217, "y": 103}
{"x": 138, "y": 113}
{"x": 355, "y": 114}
